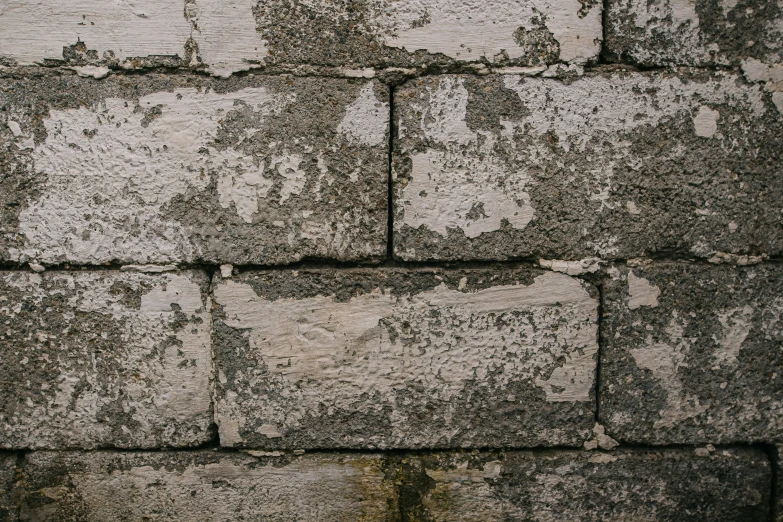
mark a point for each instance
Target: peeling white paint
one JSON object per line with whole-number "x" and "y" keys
{"x": 641, "y": 292}
{"x": 588, "y": 265}
{"x": 736, "y": 324}
{"x": 326, "y": 352}
{"x": 705, "y": 122}
{"x": 36, "y": 30}
{"x": 472, "y": 29}
{"x": 107, "y": 166}
{"x": 90, "y": 71}
{"x": 366, "y": 119}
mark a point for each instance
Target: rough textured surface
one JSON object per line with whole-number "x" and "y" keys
{"x": 159, "y": 169}
{"x": 611, "y": 164}
{"x": 204, "y": 486}
{"x": 730, "y": 485}
{"x": 694, "y": 32}
{"x": 104, "y": 358}
{"x": 8, "y": 510}
{"x": 691, "y": 354}
{"x": 226, "y": 36}
{"x": 404, "y": 33}
{"x": 778, "y": 463}
{"x": 404, "y": 358}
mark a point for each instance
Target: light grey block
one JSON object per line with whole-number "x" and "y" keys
{"x": 183, "y": 169}
{"x": 104, "y": 358}
{"x": 205, "y": 486}
{"x": 394, "y": 358}
{"x": 611, "y": 165}
{"x": 691, "y": 354}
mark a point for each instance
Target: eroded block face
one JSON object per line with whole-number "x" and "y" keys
{"x": 105, "y": 358}
{"x": 692, "y": 354}
{"x": 155, "y": 169}
{"x": 404, "y": 358}
{"x": 779, "y": 493}
{"x": 565, "y": 486}
{"x": 405, "y": 33}
{"x": 8, "y": 510}
{"x": 205, "y": 485}
{"x": 615, "y": 165}
{"x": 694, "y": 32}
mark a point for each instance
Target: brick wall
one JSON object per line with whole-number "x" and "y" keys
{"x": 386, "y": 260}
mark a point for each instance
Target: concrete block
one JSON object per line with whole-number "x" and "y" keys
{"x": 698, "y": 33}
{"x": 396, "y": 358}
{"x": 181, "y": 169}
{"x": 8, "y": 508}
{"x": 655, "y": 485}
{"x": 611, "y": 164}
{"x": 205, "y": 486}
{"x": 691, "y": 354}
{"x": 104, "y": 358}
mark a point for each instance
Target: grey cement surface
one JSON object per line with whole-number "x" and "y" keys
{"x": 640, "y": 485}
{"x": 8, "y": 509}
{"x": 612, "y": 165}
{"x": 183, "y": 169}
{"x": 104, "y": 358}
{"x": 691, "y": 354}
{"x": 389, "y": 358}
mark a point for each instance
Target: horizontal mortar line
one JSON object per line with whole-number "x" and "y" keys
{"x": 530, "y": 262}
{"x": 391, "y": 452}
{"x": 409, "y": 73}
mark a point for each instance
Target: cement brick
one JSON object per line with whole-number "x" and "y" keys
{"x": 691, "y": 354}
{"x": 425, "y": 33}
{"x": 106, "y": 358}
{"x": 694, "y": 32}
{"x": 778, "y": 463}
{"x": 182, "y": 168}
{"x": 655, "y": 485}
{"x": 226, "y": 36}
{"x": 612, "y": 164}
{"x": 205, "y": 486}
{"x": 395, "y": 358}
{"x": 8, "y": 510}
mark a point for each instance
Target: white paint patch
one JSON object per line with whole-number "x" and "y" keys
{"x": 108, "y": 167}
{"x": 146, "y": 487}
{"x": 225, "y": 31}
{"x": 366, "y": 119}
{"x": 736, "y": 324}
{"x": 641, "y": 292}
{"x": 475, "y": 192}
{"x": 35, "y": 30}
{"x": 91, "y": 71}
{"x": 325, "y": 352}
{"x": 468, "y": 30}
{"x": 757, "y": 71}
{"x": 664, "y": 360}
{"x": 705, "y": 122}
{"x": 587, "y": 265}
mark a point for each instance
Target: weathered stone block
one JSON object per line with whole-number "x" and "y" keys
{"x": 8, "y": 510}
{"x": 396, "y": 358}
{"x": 205, "y": 485}
{"x": 691, "y": 354}
{"x": 106, "y": 358}
{"x": 778, "y": 463}
{"x": 380, "y": 33}
{"x": 225, "y": 36}
{"x": 694, "y": 32}
{"x": 158, "y": 169}
{"x": 675, "y": 485}
{"x": 613, "y": 164}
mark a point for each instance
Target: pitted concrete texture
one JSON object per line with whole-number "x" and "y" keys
{"x": 181, "y": 168}
{"x": 691, "y": 354}
{"x": 8, "y": 510}
{"x": 426, "y": 33}
{"x": 778, "y": 463}
{"x": 204, "y": 486}
{"x": 694, "y": 32}
{"x": 104, "y": 358}
{"x": 674, "y": 485}
{"x": 225, "y": 36}
{"x": 612, "y": 164}
{"x": 395, "y": 358}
